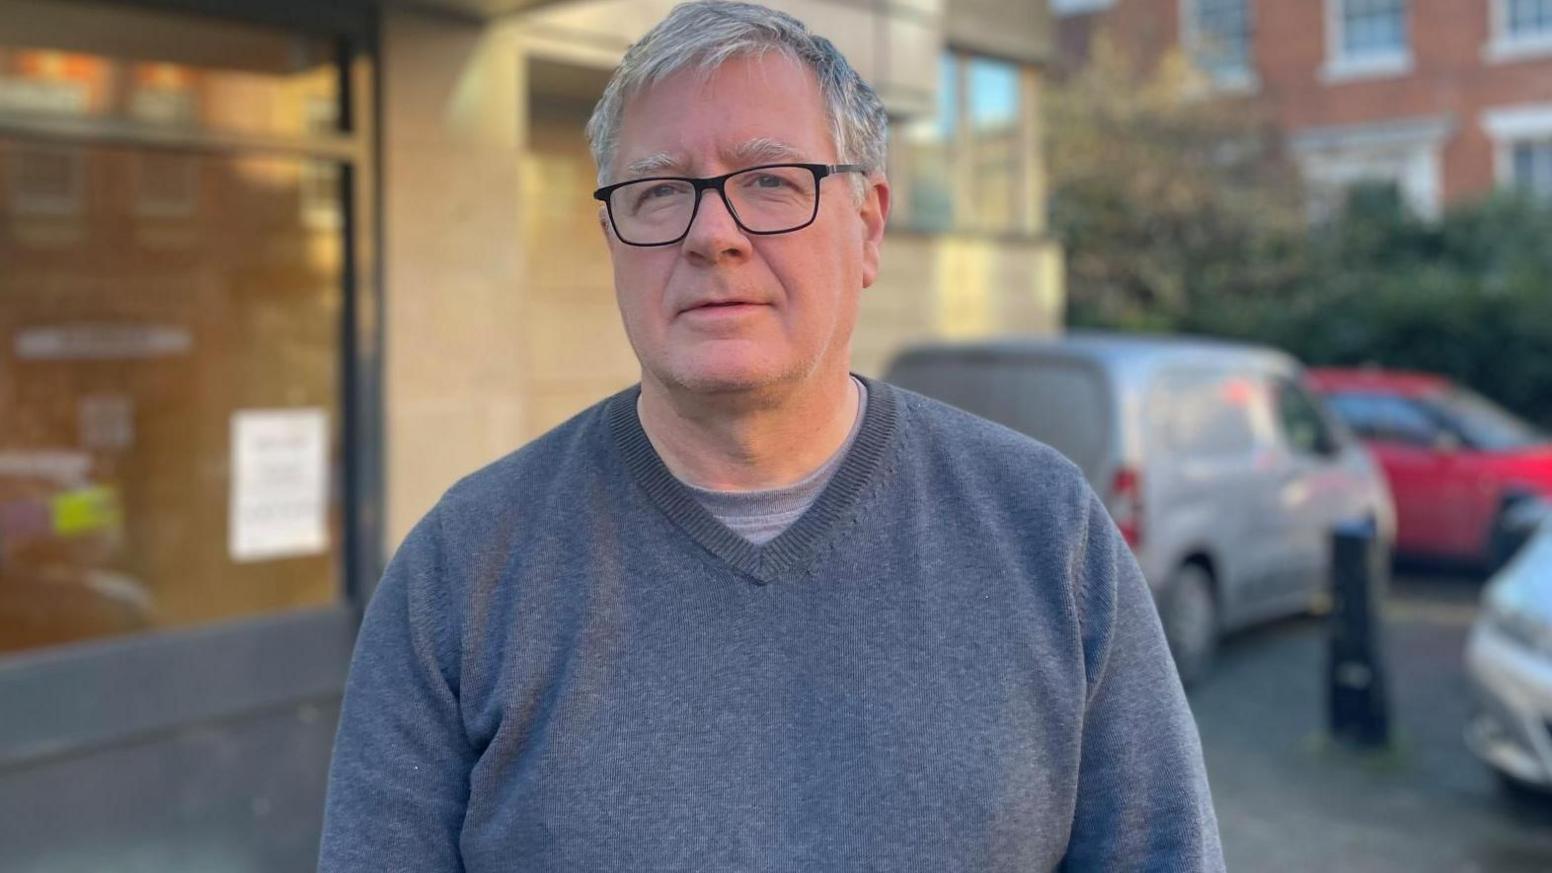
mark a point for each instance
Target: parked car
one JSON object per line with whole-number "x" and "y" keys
{"x": 1461, "y": 469}
{"x": 1509, "y": 660}
{"x": 1222, "y": 471}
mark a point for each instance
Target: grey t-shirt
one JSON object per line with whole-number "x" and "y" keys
{"x": 761, "y": 516}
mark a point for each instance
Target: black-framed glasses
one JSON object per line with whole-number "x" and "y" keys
{"x": 768, "y": 199}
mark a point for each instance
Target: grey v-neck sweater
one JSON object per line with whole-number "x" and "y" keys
{"x": 949, "y": 663}
{"x": 760, "y": 516}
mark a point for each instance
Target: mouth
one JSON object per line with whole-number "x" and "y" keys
{"x": 721, "y": 306}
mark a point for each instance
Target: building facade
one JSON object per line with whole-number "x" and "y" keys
{"x": 273, "y": 275}
{"x": 1447, "y": 99}
{"x": 967, "y": 252}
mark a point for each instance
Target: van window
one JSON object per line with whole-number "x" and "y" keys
{"x": 1301, "y": 422}
{"x": 1202, "y": 413}
{"x": 1063, "y": 403}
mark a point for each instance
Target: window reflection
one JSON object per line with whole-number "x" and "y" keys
{"x": 966, "y": 167}
{"x": 117, "y": 65}
{"x": 154, "y": 300}
{"x": 997, "y": 145}
{"x": 923, "y": 153}
{"x": 45, "y": 181}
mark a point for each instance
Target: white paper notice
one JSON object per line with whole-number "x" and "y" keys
{"x": 279, "y": 483}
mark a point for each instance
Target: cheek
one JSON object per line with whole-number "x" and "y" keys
{"x": 638, "y": 290}
{"x": 839, "y": 267}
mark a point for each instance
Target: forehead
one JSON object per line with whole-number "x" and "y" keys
{"x": 750, "y": 107}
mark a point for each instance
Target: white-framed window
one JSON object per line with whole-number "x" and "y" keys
{"x": 1522, "y": 138}
{"x": 1519, "y": 29}
{"x": 1217, "y": 33}
{"x": 1366, "y": 38}
{"x": 1407, "y": 153}
{"x": 1530, "y": 163}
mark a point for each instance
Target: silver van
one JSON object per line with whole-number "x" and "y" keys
{"x": 1222, "y": 471}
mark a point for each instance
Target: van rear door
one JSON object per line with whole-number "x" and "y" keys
{"x": 1061, "y": 400}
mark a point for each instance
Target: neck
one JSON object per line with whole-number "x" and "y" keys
{"x": 746, "y": 443}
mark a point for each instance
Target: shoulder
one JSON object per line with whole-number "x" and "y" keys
{"x": 490, "y": 513}
{"x": 460, "y": 550}
{"x": 1020, "y": 501}
{"x": 1019, "y": 494}
{"x": 527, "y": 475}
{"x": 1027, "y": 497}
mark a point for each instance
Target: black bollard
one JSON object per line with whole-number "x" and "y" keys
{"x": 1360, "y": 713}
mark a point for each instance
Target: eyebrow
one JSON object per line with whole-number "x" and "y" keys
{"x": 651, "y": 164}
{"x": 760, "y": 150}
{"x": 765, "y": 150}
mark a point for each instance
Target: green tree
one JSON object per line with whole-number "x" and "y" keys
{"x": 1167, "y": 201}
{"x": 1180, "y": 213}
{"x": 1469, "y": 296}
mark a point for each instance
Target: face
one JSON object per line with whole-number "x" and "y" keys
{"x": 724, "y": 311}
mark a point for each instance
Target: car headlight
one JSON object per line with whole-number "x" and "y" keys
{"x": 1521, "y": 628}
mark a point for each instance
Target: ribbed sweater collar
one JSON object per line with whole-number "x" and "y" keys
{"x": 795, "y": 549}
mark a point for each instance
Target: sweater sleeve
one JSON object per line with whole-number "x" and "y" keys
{"x": 399, "y": 780}
{"x": 1143, "y": 802}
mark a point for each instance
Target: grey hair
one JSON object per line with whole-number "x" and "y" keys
{"x": 705, "y": 34}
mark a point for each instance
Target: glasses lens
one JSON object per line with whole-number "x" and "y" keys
{"x": 652, "y": 211}
{"x": 765, "y": 200}
{"x": 773, "y": 199}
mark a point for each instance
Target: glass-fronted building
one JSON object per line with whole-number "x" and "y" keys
{"x": 272, "y": 276}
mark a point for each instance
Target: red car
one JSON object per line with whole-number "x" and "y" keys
{"x": 1468, "y": 477}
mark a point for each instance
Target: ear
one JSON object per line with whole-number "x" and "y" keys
{"x": 603, "y": 222}
{"x": 874, "y": 212}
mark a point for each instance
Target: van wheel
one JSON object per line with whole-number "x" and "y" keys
{"x": 1190, "y": 618}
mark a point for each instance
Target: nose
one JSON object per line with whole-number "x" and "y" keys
{"x": 714, "y": 234}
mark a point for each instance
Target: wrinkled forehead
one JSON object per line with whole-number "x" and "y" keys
{"x": 751, "y": 109}
{"x": 746, "y": 153}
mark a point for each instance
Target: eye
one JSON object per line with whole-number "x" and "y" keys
{"x": 655, "y": 194}
{"x": 769, "y": 182}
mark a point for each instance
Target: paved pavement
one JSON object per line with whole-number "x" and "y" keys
{"x": 1287, "y": 800}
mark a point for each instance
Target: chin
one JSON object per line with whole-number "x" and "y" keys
{"x": 737, "y": 376}
{"x": 723, "y": 382}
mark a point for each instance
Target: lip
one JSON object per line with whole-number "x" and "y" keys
{"x": 721, "y": 307}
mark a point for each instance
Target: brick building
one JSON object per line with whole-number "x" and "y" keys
{"x": 1447, "y": 99}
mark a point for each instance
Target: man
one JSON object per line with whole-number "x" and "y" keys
{"x": 758, "y": 614}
